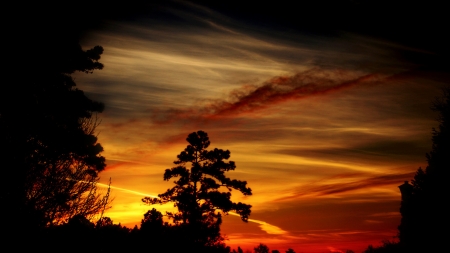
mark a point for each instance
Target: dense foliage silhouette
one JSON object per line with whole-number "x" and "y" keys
{"x": 425, "y": 206}
{"x": 49, "y": 143}
{"x": 49, "y": 150}
{"x": 197, "y": 192}
{"x": 261, "y": 248}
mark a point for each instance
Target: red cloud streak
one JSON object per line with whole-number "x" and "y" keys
{"x": 251, "y": 98}
{"x": 281, "y": 89}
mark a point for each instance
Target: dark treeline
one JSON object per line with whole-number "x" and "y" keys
{"x": 153, "y": 235}
{"x": 82, "y": 235}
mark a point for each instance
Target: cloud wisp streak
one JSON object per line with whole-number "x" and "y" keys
{"x": 252, "y": 98}
{"x": 321, "y": 190}
{"x": 127, "y": 190}
{"x": 264, "y": 226}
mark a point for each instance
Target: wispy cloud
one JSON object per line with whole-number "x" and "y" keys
{"x": 283, "y": 88}
{"x": 323, "y": 189}
{"x": 126, "y": 190}
{"x": 251, "y": 98}
{"x": 268, "y": 228}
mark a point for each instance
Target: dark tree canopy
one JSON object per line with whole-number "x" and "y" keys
{"x": 153, "y": 221}
{"x": 202, "y": 191}
{"x": 50, "y": 154}
{"x": 425, "y": 206}
{"x": 261, "y": 248}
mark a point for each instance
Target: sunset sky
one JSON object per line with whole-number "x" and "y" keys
{"x": 325, "y": 109}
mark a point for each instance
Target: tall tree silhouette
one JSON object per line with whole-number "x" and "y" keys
{"x": 49, "y": 151}
{"x": 198, "y": 193}
{"x": 425, "y": 207}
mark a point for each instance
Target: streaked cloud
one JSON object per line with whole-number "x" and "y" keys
{"x": 325, "y": 187}
{"x": 126, "y": 190}
{"x": 242, "y": 102}
{"x": 268, "y": 228}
